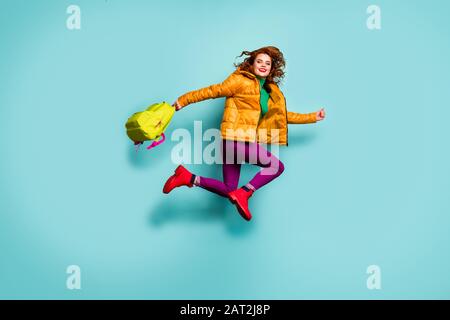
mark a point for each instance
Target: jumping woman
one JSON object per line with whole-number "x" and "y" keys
{"x": 255, "y": 112}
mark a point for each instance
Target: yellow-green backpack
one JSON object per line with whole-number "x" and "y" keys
{"x": 150, "y": 124}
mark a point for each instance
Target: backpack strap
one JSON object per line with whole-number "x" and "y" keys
{"x": 156, "y": 143}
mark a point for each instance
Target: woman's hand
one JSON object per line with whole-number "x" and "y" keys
{"x": 177, "y": 105}
{"x": 320, "y": 115}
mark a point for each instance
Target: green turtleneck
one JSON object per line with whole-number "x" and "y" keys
{"x": 264, "y": 97}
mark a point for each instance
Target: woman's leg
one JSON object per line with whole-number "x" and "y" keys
{"x": 253, "y": 153}
{"x": 233, "y": 153}
{"x": 272, "y": 167}
{"x": 230, "y": 171}
{"x": 231, "y": 180}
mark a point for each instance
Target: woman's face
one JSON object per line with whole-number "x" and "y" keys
{"x": 262, "y": 65}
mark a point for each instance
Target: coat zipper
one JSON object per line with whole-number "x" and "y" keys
{"x": 285, "y": 109}
{"x": 259, "y": 99}
{"x": 259, "y": 114}
{"x": 287, "y": 124}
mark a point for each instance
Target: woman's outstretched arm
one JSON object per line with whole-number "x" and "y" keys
{"x": 227, "y": 88}
{"x": 302, "y": 118}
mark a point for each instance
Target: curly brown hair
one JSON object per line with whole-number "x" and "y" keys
{"x": 278, "y": 63}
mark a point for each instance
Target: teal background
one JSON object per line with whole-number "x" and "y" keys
{"x": 369, "y": 185}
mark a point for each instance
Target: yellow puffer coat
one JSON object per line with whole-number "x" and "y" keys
{"x": 241, "y": 118}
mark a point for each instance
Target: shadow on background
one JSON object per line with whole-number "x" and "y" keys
{"x": 212, "y": 209}
{"x": 143, "y": 158}
{"x": 301, "y": 138}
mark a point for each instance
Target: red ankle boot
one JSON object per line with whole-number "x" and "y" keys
{"x": 240, "y": 198}
{"x": 182, "y": 177}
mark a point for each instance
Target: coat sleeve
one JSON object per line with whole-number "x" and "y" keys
{"x": 227, "y": 88}
{"x": 301, "y": 118}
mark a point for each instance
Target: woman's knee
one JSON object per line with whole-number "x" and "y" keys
{"x": 229, "y": 187}
{"x": 280, "y": 166}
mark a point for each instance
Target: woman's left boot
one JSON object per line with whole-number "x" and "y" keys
{"x": 240, "y": 198}
{"x": 182, "y": 177}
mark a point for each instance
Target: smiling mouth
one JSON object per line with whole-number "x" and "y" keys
{"x": 262, "y": 70}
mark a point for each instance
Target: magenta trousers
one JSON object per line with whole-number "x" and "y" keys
{"x": 234, "y": 153}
